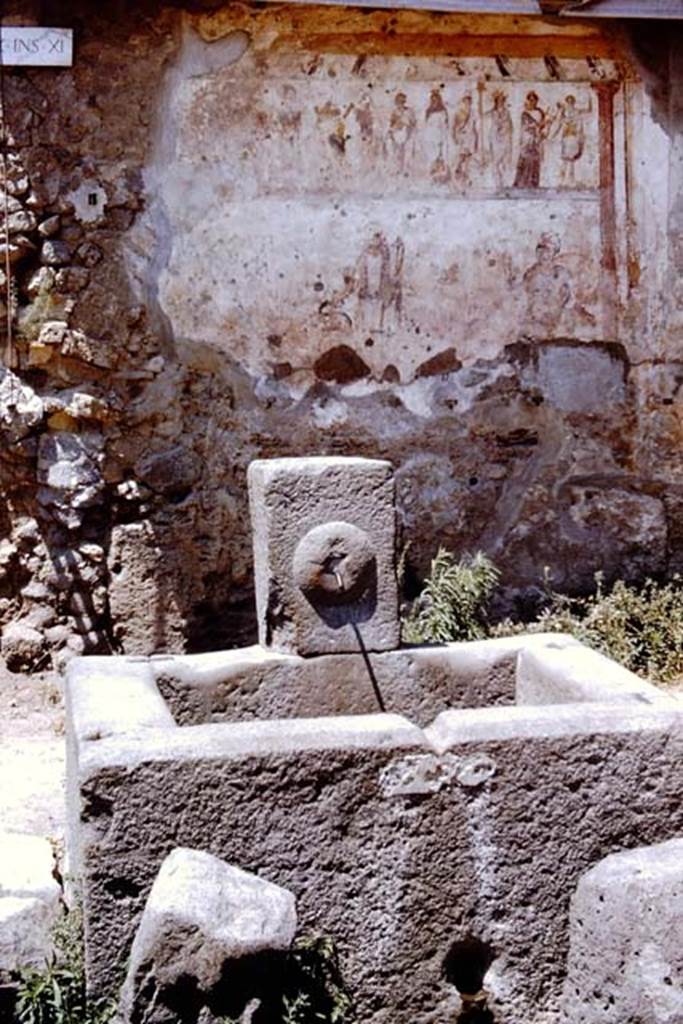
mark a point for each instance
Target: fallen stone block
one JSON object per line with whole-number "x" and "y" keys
{"x": 25, "y": 933}
{"x": 30, "y": 901}
{"x": 626, "y": 940}
{"x": 200, "y": 914}
{"x": 27, "y": 867}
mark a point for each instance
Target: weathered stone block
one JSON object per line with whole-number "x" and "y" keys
{"x": 150, "y": 589}
{"x": 22, "y": 646}
{"x": 324, "y": 536}
{"x": 568, "y": 672}
{"x": 626, "y": 940}
{"x": 25, "y": 928}
{"x": 256, "y": 779}
{"x": 55, "y": 253}
{"x": 27, "y": 867}
{"x": 29, "y": 901}
{"x": 200, "y": 914}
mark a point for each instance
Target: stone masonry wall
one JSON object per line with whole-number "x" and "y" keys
{"x": 234, "y": 232}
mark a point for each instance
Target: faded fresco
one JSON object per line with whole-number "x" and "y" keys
{"x": 416, "y": 212}
{"x": 467, "y": 136}
{"x": 241, "y": 231}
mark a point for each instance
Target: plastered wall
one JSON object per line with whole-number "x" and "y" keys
{"x": 448, "y": 241}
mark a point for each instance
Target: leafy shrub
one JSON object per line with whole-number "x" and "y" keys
{"x": 640, "y": 627}
{"x": 452, "y": 605}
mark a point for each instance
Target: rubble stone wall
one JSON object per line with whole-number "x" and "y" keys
{"x": 240, "y": 232}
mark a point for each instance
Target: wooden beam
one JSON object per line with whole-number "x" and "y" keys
{"x": 451, "y": 6}
{"x": 436, "y": 44}
{"x": 645, "y": 9}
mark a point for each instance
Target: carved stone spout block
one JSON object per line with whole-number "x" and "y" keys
{"x": 324, "y": 554}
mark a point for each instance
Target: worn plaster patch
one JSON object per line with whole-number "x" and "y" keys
{"x": 425, "y": 774}
{"x": 89, "y": 202}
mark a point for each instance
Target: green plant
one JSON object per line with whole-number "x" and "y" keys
{"x": 310, "y": 989}
{"x": 640, "y": 627}
{"x": 315, "y": 992}
{"x": 452, "y": 605}
{"x": 56, "y": 995}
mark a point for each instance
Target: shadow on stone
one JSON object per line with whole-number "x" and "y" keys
{"x": 265, "y": 988}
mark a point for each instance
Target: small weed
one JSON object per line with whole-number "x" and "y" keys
{"x": 56, "y": 995}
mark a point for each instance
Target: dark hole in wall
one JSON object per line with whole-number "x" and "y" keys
{"x": 122, "y": 888}
{"x": 466, "y": 963}
{"x": 222, "y": 625}
{"x": 8, "y": 1001}
{"x": 340, "y": 365}
{"x": 465, "y": 966}
{"x": 476, "y": 1015}
{"x": 651, "y": 44}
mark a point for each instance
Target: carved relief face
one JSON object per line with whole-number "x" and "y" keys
{"x": 334, "y": 564}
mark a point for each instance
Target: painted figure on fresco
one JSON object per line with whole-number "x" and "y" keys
{"x": 333, "y": 315}
{"x": 569, "y": 128}
{"x": 379, "y": 280}
{"x": 548, "y": 289}
{"x": 401, "y": 133}
{"x": 436, "y": 138}
{"x": 365, "y": 119}
{"x": 466, "y": 139}
{"x": 289, "y": 115}
{"x": 499, "y": 137}
{"x": 534, "y": 127}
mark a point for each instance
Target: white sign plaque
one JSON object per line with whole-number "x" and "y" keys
{"x": 36, "y": 47}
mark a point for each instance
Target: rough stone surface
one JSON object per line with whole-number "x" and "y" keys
{"x": 417, "y": 682}
{"x": 69, "y": 472}
{"x": 21, "y": 409}
{"x": 324, "y": 554}
{"x": 626, "y": 939}
{"x": 512, "y": 344}
{"x": 357, "y": 817}
{"x": 30, "y": 901}
{"x": 25, "y": 926}
{"x": 150, "y": 611}
{"x": 22, "y": 646}
{"x": 201, "y": 913}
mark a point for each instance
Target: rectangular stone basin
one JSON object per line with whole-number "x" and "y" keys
{"x": 499, "y": 772}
